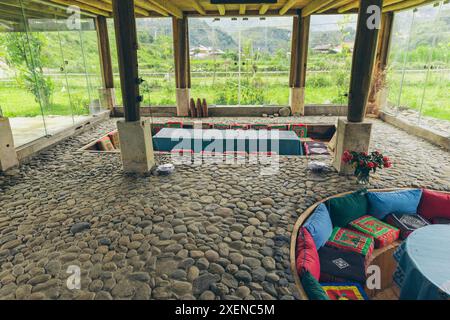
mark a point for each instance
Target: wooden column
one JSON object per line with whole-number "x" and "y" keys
{"x": 363, "y": 61}
{"x": 299, "y": 57}
{"x": 104, "y": 51}
{"x": 182, "y": 63}
{"x": 126, "y": 38}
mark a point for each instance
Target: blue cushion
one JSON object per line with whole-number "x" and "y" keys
{"x": 401, "y": 202}
{"x": 319, "y": 225}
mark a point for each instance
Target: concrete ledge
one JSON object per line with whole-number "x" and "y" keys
{"x": 240, "y": 111}
{"x": 30, "y": 149}
{"x": 424, "y": 133}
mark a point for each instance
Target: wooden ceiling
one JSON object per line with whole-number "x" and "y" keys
{"x": 13, "y": 10}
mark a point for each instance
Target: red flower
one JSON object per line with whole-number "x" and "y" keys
{"x": 386, "y": 159}
{"x": 346, "y": 156}
{"x": 361, "y": 163}
{"x": 371, "y": 165}
{"x": 387, "y": 164}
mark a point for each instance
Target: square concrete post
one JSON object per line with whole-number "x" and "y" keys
{"x": 352, "y": 136}
{"x": 8, "y": 155}
{"x": 183, "y": 98}
{"x": 297, "y": 101}
{"x": 136, "y": 146}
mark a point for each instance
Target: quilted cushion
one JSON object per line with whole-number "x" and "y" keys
{"x": 347, "y": 208}
{"x": 407, "y": 223}
{"x": 383, "y": 203}
{"x": 307, "y": 258}
{"x": 319, "y": 225}
{"x": 340, "y": 265}
{"x": 434, "y": 204}
{"x": 351, "y": 240}
{"x": 382, "y": 233}
{"x": 312, "y": 287}
{"x": 344, "y": 291}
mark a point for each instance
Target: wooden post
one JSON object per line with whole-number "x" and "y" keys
{"x": 363, "y": 60}
{"x": 299, "y": 57}
{"x": 182, "y": 64}
{"x": 126, "y": 38}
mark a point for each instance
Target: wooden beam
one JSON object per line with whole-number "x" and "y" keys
{"x": 313, "y": 6}
{"x": 384, "y": 39}
{"x": 287, "y": 6}
{"x": 127, "y": 45}
{"x": 169, "y": 7}
{"x": 362, "y": 62}
{"x": 83, "y": 7}
{"x": 299, "y": 51}
{"x": 221, "y": 9}
{"x": 181, "y": 52}
{"x": 242, "y": 8}
{"x": 198, "y": 7}
{"x": 349, "y": 6}
{"x": 403, "y": 5}
{"x": 263, "y": 9}
{"x": 104, "y": 52}
{"x": 334, "y": 4}
{"x": 30, "y": 6}
{"x": 97, "y": 4}
{"x": 144, "y": 4}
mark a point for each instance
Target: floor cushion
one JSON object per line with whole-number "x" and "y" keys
{"x": 407, "y": 223}
{"x": 383, "y": 203}
{"x": 307, "y": 258}
{"x": 315, "y": 148}
{"x": 439, "y": 220}
{"x": 339, "y": 265}
{"x": 344, "y": 291}
{"x": 319, "y": 225}
{"x": 382, "y": 233}
{"x": 312, "y": 287}
{"x": 351, "y": 240}
{"x": 347, "y": 208}
{"x": 434, "y": 204}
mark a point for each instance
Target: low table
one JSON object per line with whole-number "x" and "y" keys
{"x": 277, "y": 141}
{"x": 423, "y": 271}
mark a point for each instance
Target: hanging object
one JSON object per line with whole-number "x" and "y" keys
{"x": 192, "y": 108}
{"x": 205, "y": 108}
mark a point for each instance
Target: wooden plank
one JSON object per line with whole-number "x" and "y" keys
{"x": 404, "y": 5}
{"x": 198, "y": 7}
{"x": 263, "y": 9}
{"x": 242, "y": 8}
{"x": 83, "y": 7}
{"x": 287, "y": 6}
{"x": 126, "y": 40}
{"x": 181, "y": 52}
{"x": 169, "y": 7}
{"x": 362, "y": 63}
{"x": 104, "y": 52}
{"x": 221, "y": 9}
{"x": 349, "y": 6}
{"x": 334, "y": 4}
{"x": 314, "y": 6}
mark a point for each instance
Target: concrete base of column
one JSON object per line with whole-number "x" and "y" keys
{"x": 183, "y": 102}
{"x": 8, "y": 155}
{"x": 136, "y": 146}
{"x": 351, "y": 136}
{"x": 297, "y": 101}
{"x": 107, "y": 98}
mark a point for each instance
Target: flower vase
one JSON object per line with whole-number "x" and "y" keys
{"x": 363, "y": 179}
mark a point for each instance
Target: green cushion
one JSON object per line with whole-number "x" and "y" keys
{"x": 345, "y": 209}
{"x": 312, "y": 287}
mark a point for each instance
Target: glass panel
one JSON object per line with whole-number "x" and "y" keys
{"x": 331, "y": 42}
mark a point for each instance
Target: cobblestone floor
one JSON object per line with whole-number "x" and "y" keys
{"x": 206, "y": 232}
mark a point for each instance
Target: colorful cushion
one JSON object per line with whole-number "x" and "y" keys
{"x": 407, "y": 223}
{"x": 382, "y": 233}
{"x": 383, "y": 203}
{"x": 344, "y": 291}
{"x": 345, "y": 209}
{"x": 312, "y": 287}
{"x": 307, "y": 258}
{"x": 434, "y": 204}
{"x": 319, "y": 225}
{"x": 300, "y": 129}
{"x": 439, "y": 220}
{"x": 339, "y": 265}
{"x": 351, "y": 240}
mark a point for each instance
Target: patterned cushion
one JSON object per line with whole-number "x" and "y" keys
{"x": 312, "y": 287}
{"x": 307, "y": 258}
{"x": 344, "y": 291}
{"x": 383, "y": 233}
{"x": 351, "y": 240}
{"x": 407, "y": 223}
{"x": 337, "y": 265}
{"x": 315, "y": 148}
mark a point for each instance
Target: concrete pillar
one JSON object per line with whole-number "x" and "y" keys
{"x": 136, "y": 146}
{"x": 183, "y": 102}
{"x": 107, "y": 98}
{"x": 297, "y": 101}
{"x": 8, "y": 155}
{"x": 351, "y": 136}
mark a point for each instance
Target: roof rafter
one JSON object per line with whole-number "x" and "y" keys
{"x": 242, "y": 8}
{"x": 263, "y": 9}
{"x": 333, "y": 5}
{"x": 313, "y": 6}
{"x": 198, "y": 7}
{"x": 169, "y": 7}
{"x": 83, "y": 7}
{"x": 221, "y": 9}
{"x": 287, "y": 6}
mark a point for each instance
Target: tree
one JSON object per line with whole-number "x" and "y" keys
{"x": 24, "y": 53}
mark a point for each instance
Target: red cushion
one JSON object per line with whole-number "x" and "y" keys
{"x": 434, "y": 204}
{"x": 307, "y": 258}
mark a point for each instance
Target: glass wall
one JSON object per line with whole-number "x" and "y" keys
{"x": 418, "y": 78}
{"x": 50, "y": 72}
{"x": 331, "y": 41}
{"x": 240, "y": 61}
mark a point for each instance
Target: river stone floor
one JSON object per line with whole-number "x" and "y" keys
{"x": 205, "y": 232}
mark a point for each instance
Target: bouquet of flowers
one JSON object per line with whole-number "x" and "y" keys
{"x": 364, "y": 163}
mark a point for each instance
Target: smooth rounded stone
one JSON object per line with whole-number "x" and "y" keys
{"x": 17, "y": 270}
{"x": 224, "y": 212}
{"x": 104, "y": 242}
{"x": 180, "y": 229}
{"x": 267, "y": 201}
{"x": 266, "y": 251}
{"x": 254, "y": 221}
{"x": 273, "y": 218}
{"x": 242, "y": 292}
{"x": 242, "y": 205}
{"x": 23, "y": 291}
{"x": 79, "y": 227}
{"x": 252, "y": 262}
{"x": 229, "y": 280}
{"x": 286, "y": 297}
{"x": 123, "y": 289}
{"x": 161, "y": 293}
{"x": 142, "y": 292}
{"x": 186, "y": 263}
{"x": 202, "y": 263}
{"x": 206, "y": 199}
{"x": 103, "y": 295}
{"x": 216, "y": 268}
{"x": 268, "y": 263}
{"x": 195, "y": 254}
{"x": 207, "y": 295}
{"x": 211, "y": 255}
{"x": 236, "y": 258}
{"x": 237, "y": 245}
{"x": 259, "y": 274}
{"x": 232, "y": 268}
{"x": 269, "y": 288}
{"x": 139, "y": 276}
{"x": 192, "y": 273}
{"x": 212, "y": 229}
{"x": 234, "y": 235}
{"x": 96, "y": 285}
{"x": 39, "y": 279}
{"x": 178, "y": 274}
{"x": 181, "y": 288}
{"x": 284, "y": 112}
{"x": 203, "y": 282}
{"x": 243, "y": 276}
{"x": 272, "y": 277}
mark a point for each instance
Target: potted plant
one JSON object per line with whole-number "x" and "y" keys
{"x": 365, "y": 163}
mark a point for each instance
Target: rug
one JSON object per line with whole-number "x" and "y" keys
{"x": 344, "y": 291}
{"x": 383, "y": 233}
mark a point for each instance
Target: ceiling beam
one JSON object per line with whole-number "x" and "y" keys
{"x": 221, "y": 9}
{"x": 242, "y": 8}
{"x": 198, "y": 7}
{"x": 335, "y": 4}
{"x": 313, "y": 6}
{"x": 263, "y": 9}
{"x": 34, "y": 7}
{"x": 403, "y": 5}
{"x": 83, "y": 7}
{"x": 349, "y": 6}
{"x": 169, "y": 7}
{"x": 287, "y": 6}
